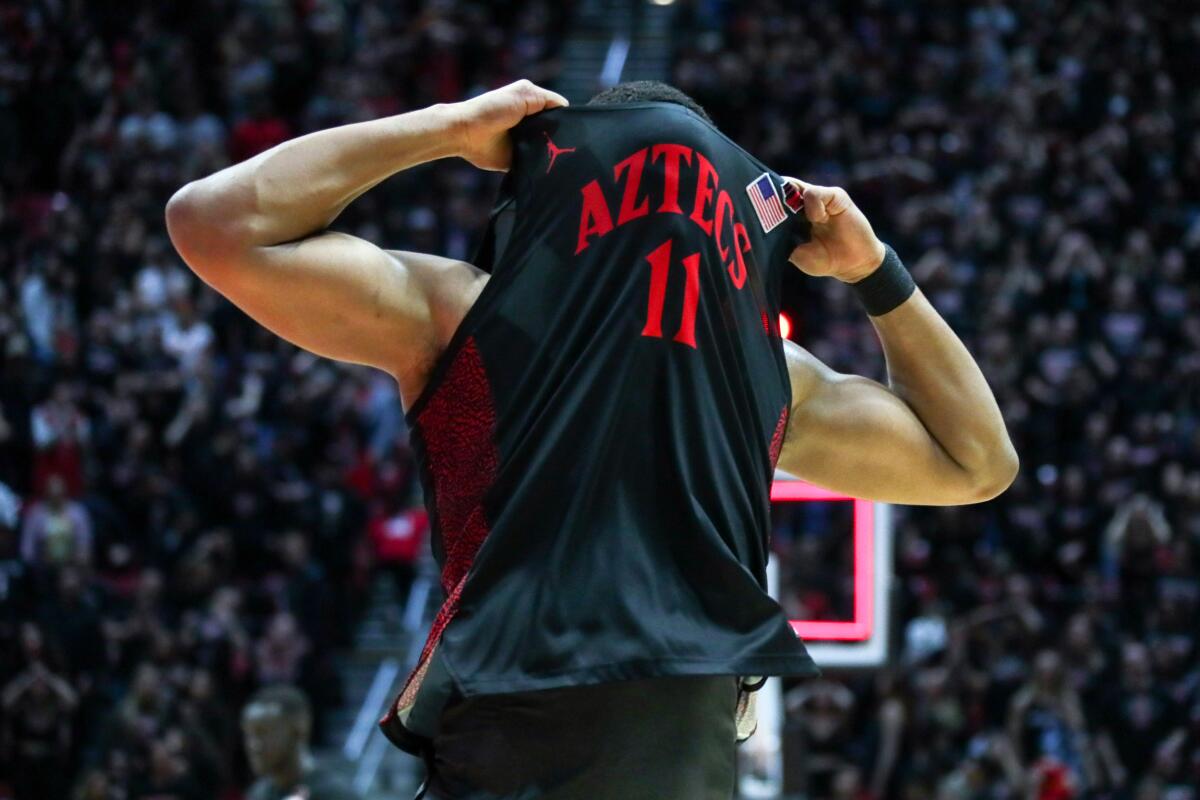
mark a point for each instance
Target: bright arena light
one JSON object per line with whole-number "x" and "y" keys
{"x": 785, "y": 326}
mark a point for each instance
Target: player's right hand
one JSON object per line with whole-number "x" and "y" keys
{"x": 481, "y": 124}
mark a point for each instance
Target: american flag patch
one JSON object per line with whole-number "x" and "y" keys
{"x": 765, "y": 199}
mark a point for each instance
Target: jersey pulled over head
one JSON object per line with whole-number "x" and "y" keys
{"x": 598, "y": 441}
{"x": 645, "y": 149}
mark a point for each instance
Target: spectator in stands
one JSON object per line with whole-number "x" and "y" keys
{"x": 187, "y": 338}
{"x": 820, "y": 737}
{"x": 37, "y": 736}
{"x": 1046, "y": 724}
{"x": 1138, "y": 721}
{"x": 399, "y": 535}
{"x": 280, "y": 654}
{"x": 60, "y": 432}
{"x": 276, "y": 724}
{"x": 58, "y": 530}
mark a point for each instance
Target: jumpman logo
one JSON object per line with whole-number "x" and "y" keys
{"x": 555, "y": 151}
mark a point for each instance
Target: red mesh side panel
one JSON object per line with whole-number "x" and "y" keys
{"x": 777, "y": 437}
{"x": 456, "y": 426}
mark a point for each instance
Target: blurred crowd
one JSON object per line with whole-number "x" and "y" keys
{"x": 191, "y": 510}
{"x": 1037, "y": 164}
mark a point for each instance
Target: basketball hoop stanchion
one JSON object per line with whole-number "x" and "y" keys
{"x": 858, "y": 643}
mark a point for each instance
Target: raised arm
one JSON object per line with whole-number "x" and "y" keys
{"x": 255, "y": 232}
{"x": 934, "y": 435}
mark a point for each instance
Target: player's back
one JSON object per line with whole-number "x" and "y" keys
{"x": 597, "y": 442}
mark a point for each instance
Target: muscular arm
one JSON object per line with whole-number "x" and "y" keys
{"x": 933, "y": 436}
{"x": 256, "y": 232}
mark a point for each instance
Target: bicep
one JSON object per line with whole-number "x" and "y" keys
{"x": 332, "y": 294}
{"x": 854, "y": 436}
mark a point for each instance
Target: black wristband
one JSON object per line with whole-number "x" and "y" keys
{"x": 887, "y": 287}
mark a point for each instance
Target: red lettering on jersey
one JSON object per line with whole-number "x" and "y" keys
{"x": 706, "y": 182}
{"x": 724, "y": 206}
{"x": 630, "y": 208}
{"x": 691, "y": 298}
{"x": 741, "y": 245}
{"x": 671, "y": 154}
{"x": 594, "y": 220}
{"x": 660, "y": 267}
{"x": 714, "y": 218}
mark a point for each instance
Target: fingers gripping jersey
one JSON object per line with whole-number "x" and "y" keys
{"x": 597, "y": 443}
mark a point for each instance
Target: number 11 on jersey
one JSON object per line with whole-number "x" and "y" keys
{"x": 660, "y": 268}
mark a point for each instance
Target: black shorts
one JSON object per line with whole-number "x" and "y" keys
{"x": 671, "y": 738}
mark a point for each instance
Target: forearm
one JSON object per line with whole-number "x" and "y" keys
{"x": 300, "y": 186}
{"x": 932, "y": 371}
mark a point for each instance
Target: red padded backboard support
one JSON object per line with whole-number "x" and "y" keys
{"x": 862, "y": 626}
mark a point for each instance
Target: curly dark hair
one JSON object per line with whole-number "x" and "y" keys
{"x": 641, "y": 91}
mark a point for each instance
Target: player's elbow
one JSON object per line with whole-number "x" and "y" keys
{"x": 996, "y": 472}
{"x": 191, "y": 227}
{"x": 205, "y": 237}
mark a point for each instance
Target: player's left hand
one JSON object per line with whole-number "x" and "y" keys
{"x": 481, "y": 124}
{"x": 843, "y": 244}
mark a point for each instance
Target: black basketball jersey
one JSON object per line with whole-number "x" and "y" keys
{"x": 597, "y": 442}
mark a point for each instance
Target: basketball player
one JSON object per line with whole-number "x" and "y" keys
{"x": 598, "y": 405}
